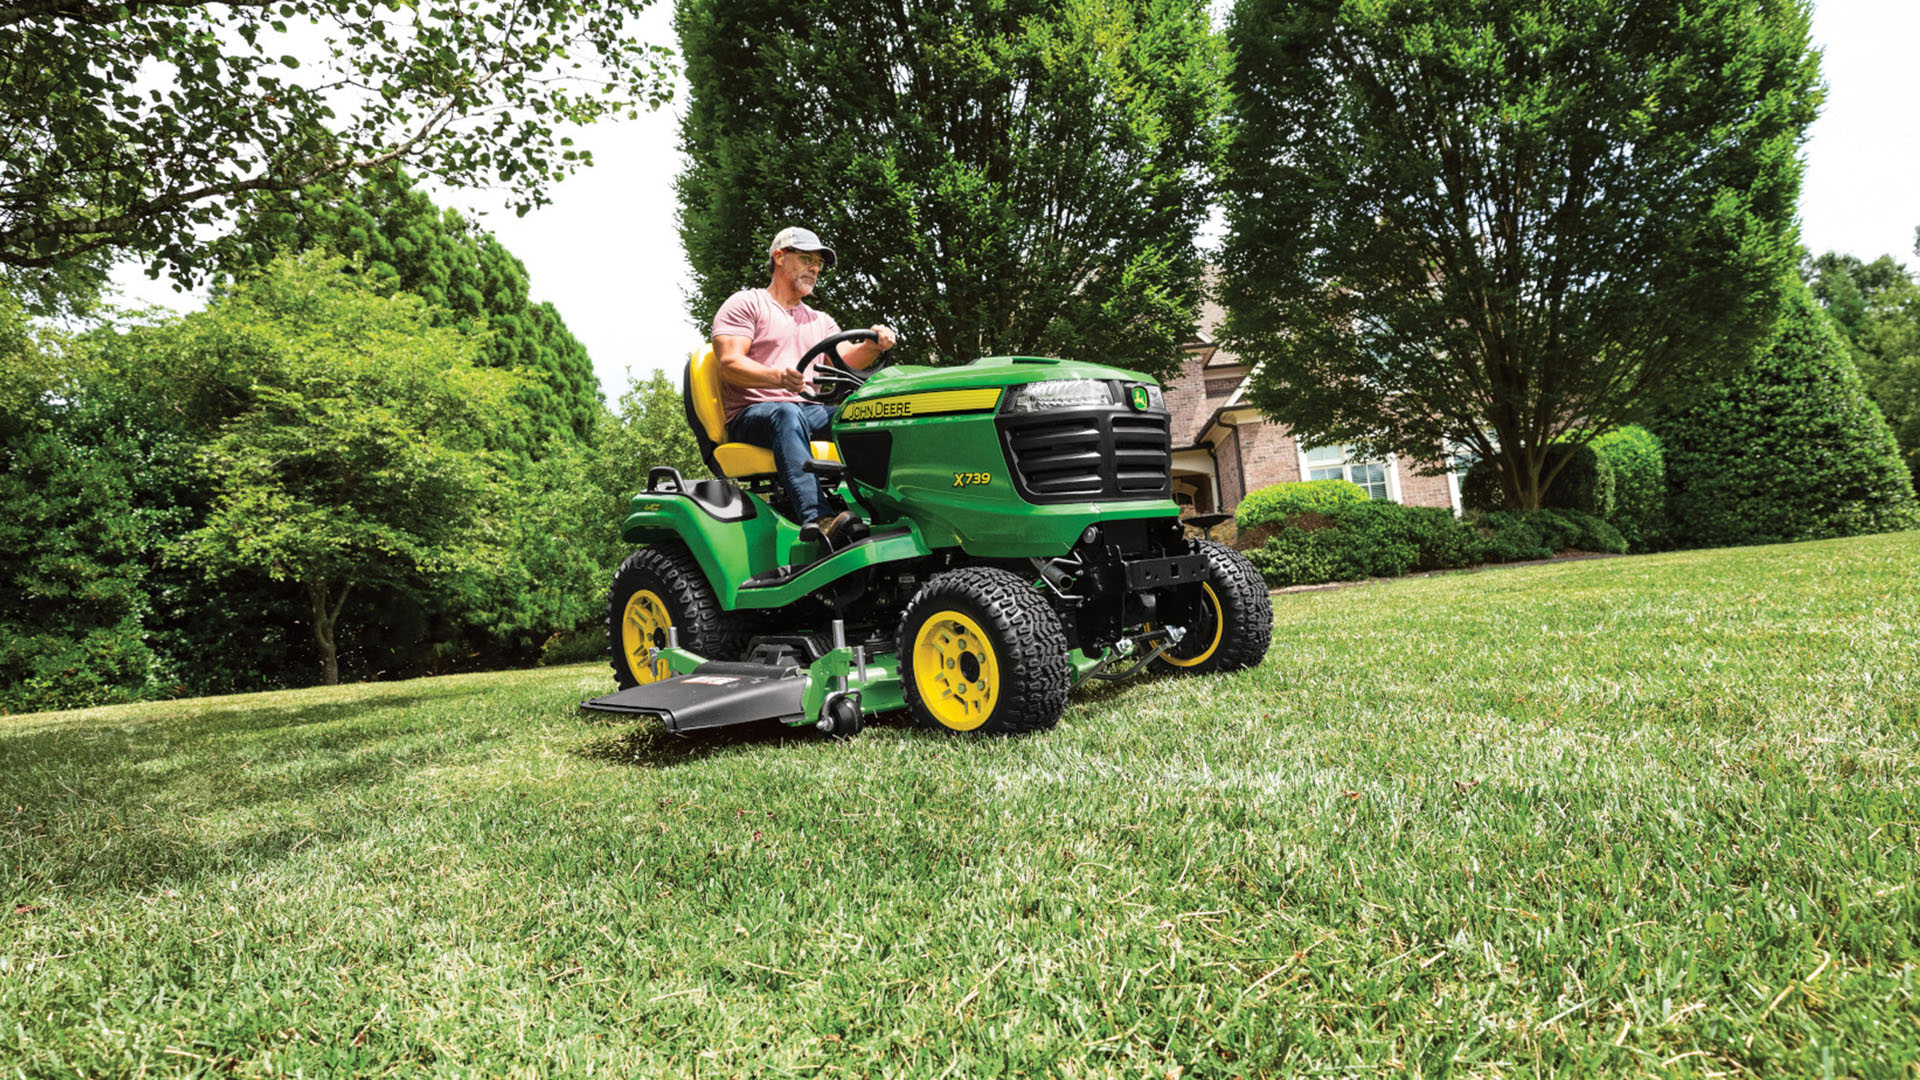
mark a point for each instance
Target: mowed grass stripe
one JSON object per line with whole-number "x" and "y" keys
{"x": 1647, "y": 815}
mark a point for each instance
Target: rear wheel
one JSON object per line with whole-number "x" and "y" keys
{"x": 1232, "y": 622}
{"x": 980, "y": 651}
{"x": 660, "y": 588}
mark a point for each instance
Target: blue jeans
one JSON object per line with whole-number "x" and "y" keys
{"x": 786, "y": 427}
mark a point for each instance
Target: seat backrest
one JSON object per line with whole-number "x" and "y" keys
{"x": 700, "y": 395}
{"x": 703, "y": 383}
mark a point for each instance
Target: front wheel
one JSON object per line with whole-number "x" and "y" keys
{"x": 1232, "y": 620}
{"x": 981, "y": 651}
{"x": 660, "y": 588}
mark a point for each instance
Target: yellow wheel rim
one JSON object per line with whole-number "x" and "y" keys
{"x": 643, "y": 626}
{"x": 955, "y": 671}
{"x": 1219, "y": 624}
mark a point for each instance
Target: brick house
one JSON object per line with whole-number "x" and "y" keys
{"x": 1223, "y": 447}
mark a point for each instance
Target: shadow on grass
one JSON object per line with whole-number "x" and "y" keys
{"x": 645, "y": 743}
{"x": 648, "y": 745}
{"x": 1102, "y": 692}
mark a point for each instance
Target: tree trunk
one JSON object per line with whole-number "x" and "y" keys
{"x": 1531, "y": 489}
{"x": 325, "y": 615}
{"x": 1521, "y": 473}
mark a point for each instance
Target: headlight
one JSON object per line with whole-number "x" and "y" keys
{"x": 1060, "y": 394}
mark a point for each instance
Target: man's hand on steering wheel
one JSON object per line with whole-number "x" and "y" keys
{"x": 837, "y": 378}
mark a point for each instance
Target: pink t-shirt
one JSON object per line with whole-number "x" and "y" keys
{"x": 780, "y": 337}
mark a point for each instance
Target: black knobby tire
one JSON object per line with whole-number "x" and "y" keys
{"x": 1237, "y": 624}
{"x": 1014, "y": 647}
{"x": 676, "y": 591}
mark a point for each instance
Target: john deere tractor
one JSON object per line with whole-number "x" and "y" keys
{"x": 1021, "y": 538}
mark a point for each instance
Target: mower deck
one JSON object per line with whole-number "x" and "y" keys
{"x": 715, "y": 694}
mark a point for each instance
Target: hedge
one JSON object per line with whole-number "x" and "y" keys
{"x": 1518, "y": 535}
{"x": 1381, "y": 539}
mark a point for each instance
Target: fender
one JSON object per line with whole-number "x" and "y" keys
{"x": 743, "y": 553}
{"x": 729, "y": 546}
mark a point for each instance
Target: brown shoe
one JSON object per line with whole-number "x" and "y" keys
{"x": 831, "y": 527}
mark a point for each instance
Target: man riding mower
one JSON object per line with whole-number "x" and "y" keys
{"x": 1020, "y": 538}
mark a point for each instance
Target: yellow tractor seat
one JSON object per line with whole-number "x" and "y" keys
{"x": 708, "y": 418}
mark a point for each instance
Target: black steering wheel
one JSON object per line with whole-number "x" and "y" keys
{"x": 837, "y": 378}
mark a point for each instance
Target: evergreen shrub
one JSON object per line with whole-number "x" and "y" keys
{"x": 1639, "y": 470}
{"x": 1519, "y": 535}
{"x": 1788, "y": 449}
{"x": 1511, "y": 536}
{"x": 1275, "y": 504}
{"x": 1374, "y": 540}
{"x": 1386, "y": 539}
{"x": 1295, "y": 556}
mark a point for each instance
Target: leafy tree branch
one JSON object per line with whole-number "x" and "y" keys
{"x": 132, "y": 126}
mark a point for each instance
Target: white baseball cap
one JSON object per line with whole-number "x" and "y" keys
{"x": 797, "y": 239}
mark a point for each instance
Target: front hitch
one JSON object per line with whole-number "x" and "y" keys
{"x": 1155, "y": 641}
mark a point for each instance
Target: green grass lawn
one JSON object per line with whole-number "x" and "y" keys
{"x": 1651, "y": 815}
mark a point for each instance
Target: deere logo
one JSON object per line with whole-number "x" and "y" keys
{"x": 877, "y": 410}
{"x": 1139, "y": 398}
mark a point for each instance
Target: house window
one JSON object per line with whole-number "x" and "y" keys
{"x": 1460, "y": 458}
{"x": 1340, "y": 463}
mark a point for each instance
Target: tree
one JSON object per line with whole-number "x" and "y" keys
{"x": 99, "y": 449}
{"x": 1877, "y": 307}
{"x": 651, "y": 429}
{"x": 1506, "y": 225}
{"x": 131, "y": 125}
{"x": 1789, "y": 448}
{"x": 351, "y": 453}
{"x": 72, "y": 590}
{"x": 558, "y": 524}
{"x": 468, "y": 279}
{"x": 1022, "y": 177}
{"x": 1852, "y": 291}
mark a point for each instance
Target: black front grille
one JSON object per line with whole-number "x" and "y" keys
{"x": 1081, "y": 455}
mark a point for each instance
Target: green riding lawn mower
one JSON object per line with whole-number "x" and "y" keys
{"x": 1020, "y": 538}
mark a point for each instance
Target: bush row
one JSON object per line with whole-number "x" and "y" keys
{"x": 1355, "y": 540}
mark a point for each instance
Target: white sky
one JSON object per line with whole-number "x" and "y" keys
{"x": 607, "y": 252}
